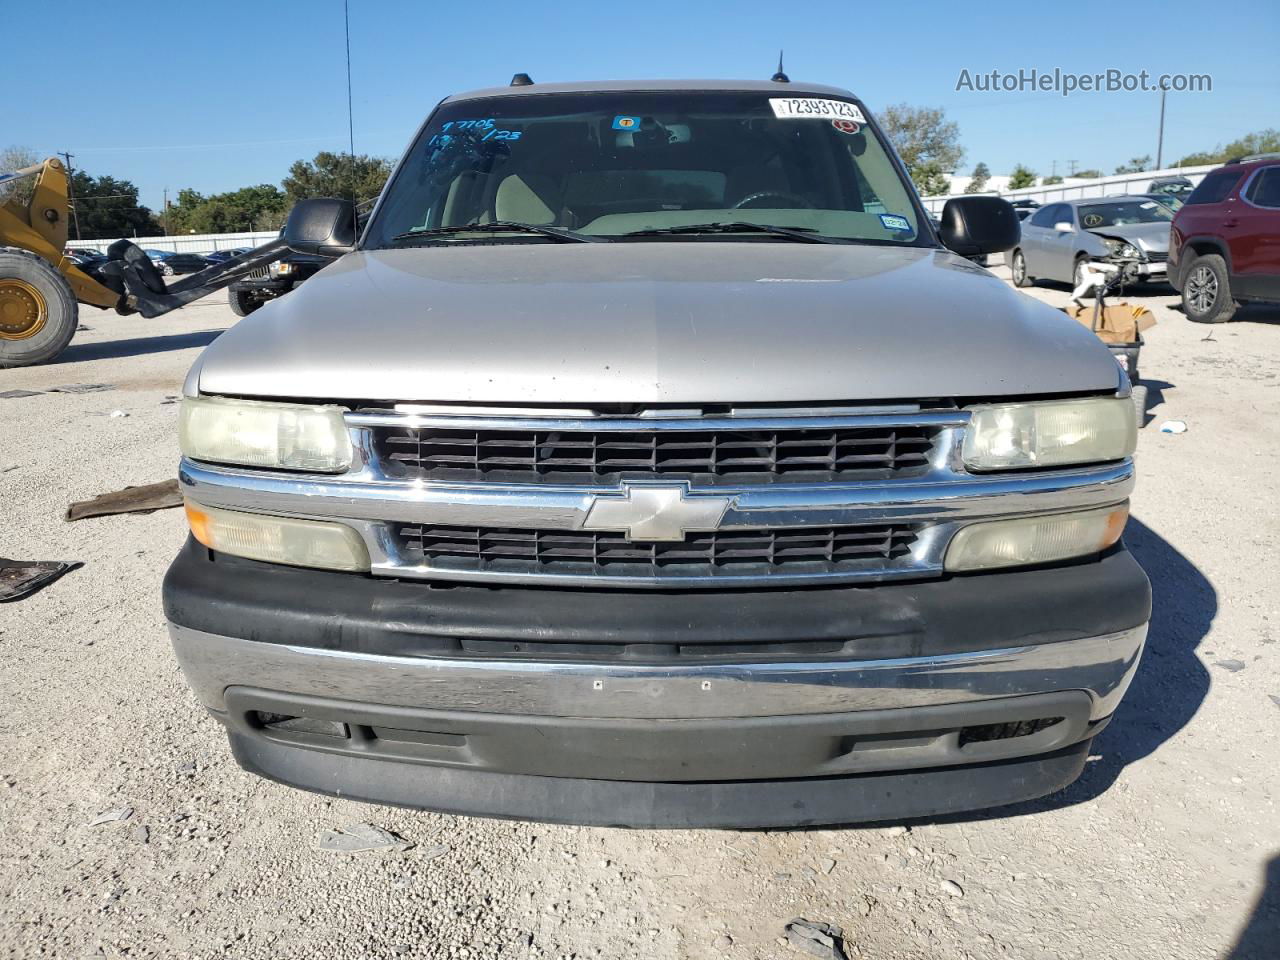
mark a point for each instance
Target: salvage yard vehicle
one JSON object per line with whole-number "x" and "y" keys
{"x": 170, "y": 263}
{"x": 1060, "y": 238}
{"x": 650, "y": 460}
{"x": 271, "y": 281}
{"x": 1225, "y": 241}
{"x": 42, "y": 283}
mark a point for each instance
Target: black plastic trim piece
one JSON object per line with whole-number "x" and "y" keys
{"x": 269, "y": 603}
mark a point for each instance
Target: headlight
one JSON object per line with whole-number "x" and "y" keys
{"x": 1051, "y": 433}
{"x": 299, "y": 543}
{"x": 283, "y": 269}
{"x": 254, "y": 434}
{"x": 1118, "y": 248}
{"x": 1028, "y": 540}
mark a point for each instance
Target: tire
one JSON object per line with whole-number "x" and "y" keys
{"x": 1140, "y": 404}
{"x": 242, "y": 302}
{"x": 1206, "y": 290}
{"x": 166, "y": 270}
{"x": 1018, "y": 267}
{"x": 38, "y": 311}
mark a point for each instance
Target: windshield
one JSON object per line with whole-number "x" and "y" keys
{"x": 1123, "y": 213}
{"x": 616, "y": 166}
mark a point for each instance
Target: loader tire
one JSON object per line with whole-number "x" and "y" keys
{"x": 38, "y": 311}
{"x": 242, "y": 303}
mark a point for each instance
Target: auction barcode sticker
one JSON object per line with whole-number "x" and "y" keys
{"x": 805, "y": 109}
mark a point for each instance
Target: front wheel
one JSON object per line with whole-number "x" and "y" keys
{"x": 242, "y": 302}
{"x": 1206, "y": 290}
{"x": 1018, "y": 267}
{"x": 38, "y": 311}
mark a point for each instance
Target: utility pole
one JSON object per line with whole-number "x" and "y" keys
{"x": 165, "y": 218}
{"x": 1053, "y": 170}
{"x": 1160, "y": 142}
{"x": 71, "y": 193}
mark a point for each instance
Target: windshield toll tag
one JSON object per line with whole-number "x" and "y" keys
{"x": 805, "y": 108}
{"x": 626, "y": 123}
{"x": 892, "y": 221}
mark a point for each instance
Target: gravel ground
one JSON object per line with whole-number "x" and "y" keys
{"x": 1168, "y": 846}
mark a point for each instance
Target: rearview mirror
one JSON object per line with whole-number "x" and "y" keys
{"x": 1064, "y": 227}
{"x": 324, "y": 226}
{"x": 974, "y": 225}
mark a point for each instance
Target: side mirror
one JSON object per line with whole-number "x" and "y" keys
{"x": 324, "y": 226}
{"x": 1064, "y": 227}
{"x": 974, "y": 225}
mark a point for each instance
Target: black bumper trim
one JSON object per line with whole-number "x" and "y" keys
{"x": 735, "y": 805}
{"x": 269, "y": 603}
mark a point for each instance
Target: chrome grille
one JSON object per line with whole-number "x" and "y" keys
{"x": 700, "y": 456}
{"x": 727, "y": 553}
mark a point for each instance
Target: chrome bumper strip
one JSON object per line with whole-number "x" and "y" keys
{"x": 1103, "y": 666}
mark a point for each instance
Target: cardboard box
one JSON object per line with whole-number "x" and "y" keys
{"x": 1117, "y": 323}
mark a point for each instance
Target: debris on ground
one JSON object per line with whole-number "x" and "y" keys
{"x": 1173, "y": 426}
{"x": 118, "y": 413}
{"x": 816, "y": 938}
{"x": 18, "y": 394}
{"x": 435, "y": 850}
{"x": 951, "y": 888}
{"x": 112, "y": 816}
{"x": 1274, "y": 699}
{"x": 21, "y": 578}
{"x": 141, "y": 834}
{"x": 1235, "y": 666}
{"x": 144, "y": 499}
{"x": 361, "y": 838}
{"x": 826, "y": 865}
{"x": 82, "y": 388}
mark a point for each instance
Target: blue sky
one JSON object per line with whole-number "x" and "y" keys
{"x": 221, "y": 95}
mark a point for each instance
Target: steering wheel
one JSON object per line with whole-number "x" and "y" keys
{"x": 793, "y": 199}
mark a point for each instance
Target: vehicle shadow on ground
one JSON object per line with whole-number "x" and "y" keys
{"x": 1155, "y": 397}
{"x": 1167, "y": 690}
{"x": 1259, "y": 937}
{"x": 117, "y": 349}
{"x": 1246, "y": 313}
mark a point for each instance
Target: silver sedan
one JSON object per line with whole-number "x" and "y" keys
{"x": 1060, "y": 238}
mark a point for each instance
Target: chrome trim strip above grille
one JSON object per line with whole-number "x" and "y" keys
{"x": 391, "y": 420}
{"x": 1102, "y": 666}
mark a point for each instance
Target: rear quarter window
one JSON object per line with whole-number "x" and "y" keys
{"x": 1215, "y": 187}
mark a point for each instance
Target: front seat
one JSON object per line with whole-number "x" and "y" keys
{"x": 528, "y": 198}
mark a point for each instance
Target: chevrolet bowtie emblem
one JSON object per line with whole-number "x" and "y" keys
{"x": 646, "y": 511}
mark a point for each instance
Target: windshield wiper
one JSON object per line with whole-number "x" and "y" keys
{"x": 803, "y": 234}
{"x": 497, "y": 226}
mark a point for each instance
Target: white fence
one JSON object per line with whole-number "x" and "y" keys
{"x": 185, "y": 243}
{"x": 1081, "y": 189}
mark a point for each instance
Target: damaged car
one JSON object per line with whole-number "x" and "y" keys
{"x": 1059, "y": 239}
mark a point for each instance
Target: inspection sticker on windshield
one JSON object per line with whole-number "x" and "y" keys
{"x": 791, "y": 108}
{"x": 892, "y": 221}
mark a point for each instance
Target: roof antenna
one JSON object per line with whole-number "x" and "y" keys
{"x": 780, "y": 77}
{"x": 522, "y": 80}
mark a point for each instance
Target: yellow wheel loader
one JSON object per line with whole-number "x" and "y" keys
{"x": 41, "y": 288}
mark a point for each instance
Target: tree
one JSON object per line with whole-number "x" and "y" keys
{"x": 106, "y": 208}
{"x": 1263, "y": 141}
{"x": 1022, "y": 177}
{"x": 332, "y": 175}
{"x": 981, "y": 174}
{"x": 927, "y": 142}
{"x": 1050, "y": 180}
{"x": 15, "y": 158}
{"x": 1089, "y": 174}
{"x": 1136, "y": 165}
{"x": 263, "y": 207}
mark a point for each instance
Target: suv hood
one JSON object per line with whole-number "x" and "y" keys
{"x": 653, "y": 322}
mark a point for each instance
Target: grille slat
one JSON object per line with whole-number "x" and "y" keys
{"x": 711, "y": 456}
{"x": 604, "y": 553}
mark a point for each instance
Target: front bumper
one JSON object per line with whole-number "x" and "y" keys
{"x": 938, "y": 698}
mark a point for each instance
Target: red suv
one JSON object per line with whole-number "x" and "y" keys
{"x": 1224, "y": 245}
